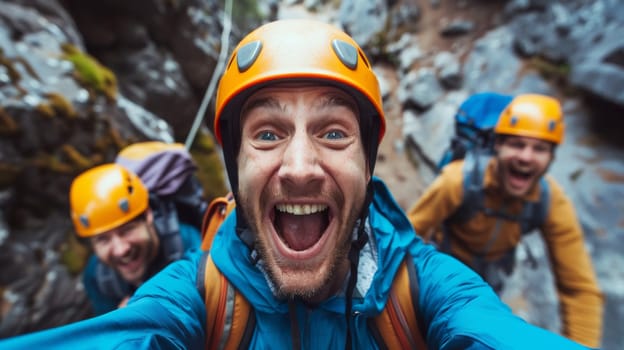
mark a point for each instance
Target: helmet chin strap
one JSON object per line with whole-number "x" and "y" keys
{"x": 369, "y": 127}
{"x": 354, "y": 260}
{"x": 357, "y": 244}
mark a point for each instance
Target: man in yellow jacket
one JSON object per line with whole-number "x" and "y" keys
{"x": 527, "y": 133}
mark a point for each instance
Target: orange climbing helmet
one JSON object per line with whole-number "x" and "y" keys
{"x": 532, "y": 115}
{"x": 297, "y": 49}
{"x": 105, "y": 197}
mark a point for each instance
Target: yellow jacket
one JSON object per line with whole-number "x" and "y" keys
{"x": 581, "y": 301}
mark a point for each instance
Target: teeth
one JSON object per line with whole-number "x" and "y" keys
{"x": 304, "y": 209}
{"x": 520, "y": 172}
{"x": 127, "y": 258}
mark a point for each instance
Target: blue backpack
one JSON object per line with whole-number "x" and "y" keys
{"x": 474, "y": 142}
{"x": 474, "y": 125}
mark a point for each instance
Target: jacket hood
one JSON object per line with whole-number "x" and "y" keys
{"x": 390, "y": 235}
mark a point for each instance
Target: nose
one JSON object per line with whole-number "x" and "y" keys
{"x": 119, "y": 246}
{"x": 300, "y": 160}
{"x": 526, "y": 154}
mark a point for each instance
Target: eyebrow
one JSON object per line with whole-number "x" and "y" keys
{"x": 330, "y": 100}
{"x": 336, "y": 100}
{"x": 266, "y": 102}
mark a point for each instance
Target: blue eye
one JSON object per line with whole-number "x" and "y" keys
{"x": 267, "y": 136}
{"x": 333, "y": 135}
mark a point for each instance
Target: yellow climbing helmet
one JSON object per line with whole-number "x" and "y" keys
{"x": 105, "y": 197}
{"x": 532, "y": 115}
{"x": 299, "y": 50}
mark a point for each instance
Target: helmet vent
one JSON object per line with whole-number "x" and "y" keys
{"x": 247, "y": 55}
{"x": 551, "y": 125}
{"x": 84, "y": 221}
{"x": 347, "y": 54}
{"x": 513, "y": 121}
{"x": 124, "y": 205}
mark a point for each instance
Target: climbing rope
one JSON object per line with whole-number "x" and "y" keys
{"x": 225, "y": 35}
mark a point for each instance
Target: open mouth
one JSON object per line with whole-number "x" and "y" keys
{"x": 301, "y": 226}
{"x": 519, "y": 178}
{"x": 130, "y": 261}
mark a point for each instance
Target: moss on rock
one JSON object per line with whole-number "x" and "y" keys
{"x": 90, "y": 72}
{"x": 74, "y": 254}
{"x": 210, "y": 171}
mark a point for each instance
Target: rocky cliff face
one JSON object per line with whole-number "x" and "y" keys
{"x": 80, "y": 79}
{"x": 62, "y": 110}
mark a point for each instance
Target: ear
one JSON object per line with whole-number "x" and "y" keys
{"x": 149, "y": 217}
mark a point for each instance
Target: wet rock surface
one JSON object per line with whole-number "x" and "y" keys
{"x": 430, "y": 55}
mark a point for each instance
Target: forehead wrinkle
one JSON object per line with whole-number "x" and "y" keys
{"x": 325, "y": 101}
{"x": 264, "y": 102}
{"x": 337, "y": 100}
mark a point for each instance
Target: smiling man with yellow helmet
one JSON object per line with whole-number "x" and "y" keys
{"x": 477, "y": 210}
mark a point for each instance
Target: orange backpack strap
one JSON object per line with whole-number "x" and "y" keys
{"x": 230, "y": 320}
{"x": 216, "y": 213}
{"x": 399, "y": 324}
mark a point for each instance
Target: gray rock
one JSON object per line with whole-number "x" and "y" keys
{"x": 600, "y": 70}
{"x": 164, "y": 53}
{"x": 409, "y": 56}
{"x": 422, "y": 89}
{"x": 405, "y": 14}
{"x": 384, "y": 85}
{"x": 363, "y": 32}
{"x": 53, "y": 126}
{"x": 457, "y": 27}
{"x": 449, "y": 70}
{"x": 482, "y": 73}
{"x": 429, "y": 133}
{"x": 584, "y": 34}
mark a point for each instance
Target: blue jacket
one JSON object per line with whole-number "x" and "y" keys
{"x": 103, "y": 302}
{"x": 460, "y": 311}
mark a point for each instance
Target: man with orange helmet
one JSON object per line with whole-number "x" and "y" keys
{"x": 110, "y": 209}
{"x": 480, "y": 218}
{"x": 316, "y": 244}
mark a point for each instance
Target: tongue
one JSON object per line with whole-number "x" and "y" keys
{"x": 300, "y": 231}
{"x": 518, "y": 180}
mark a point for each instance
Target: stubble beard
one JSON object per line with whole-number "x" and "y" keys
{"x": 148, "y": 254}
{"x": 317, "y": 277}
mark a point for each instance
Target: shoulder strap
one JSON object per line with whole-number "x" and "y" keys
{"x": 167, "y": 227}
{"x": 230, "y": 320}
{"x": 534, "y": 213}
{"x": 400, "y": 324}
{"x": 190, "y": 201}
{"x": 472, "y": 200}
{"x": 532, "y": 216}
{"x": 110, "y": 283}
{"x": 217, "y": 211}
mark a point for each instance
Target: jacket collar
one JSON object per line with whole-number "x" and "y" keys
{"x": 390, "y": 234}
